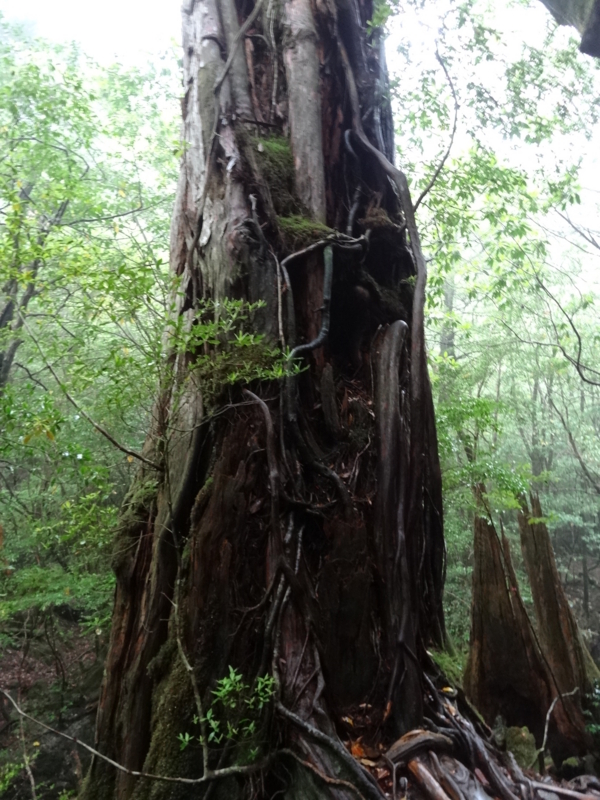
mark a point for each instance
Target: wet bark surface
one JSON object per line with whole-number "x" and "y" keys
{"x": 297, "y": 534}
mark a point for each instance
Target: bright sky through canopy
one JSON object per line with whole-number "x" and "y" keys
{"x": 131, "y": 31}
{"x": 125, "y": 29}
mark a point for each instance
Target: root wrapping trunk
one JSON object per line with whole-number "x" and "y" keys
{"x": 293, "y": 538}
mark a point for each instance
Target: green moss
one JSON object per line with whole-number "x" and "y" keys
{"x": 172, "y": 711}
{"x": 134, "y": 512}
{"x": 276, "y": 151}
{"x": 138, "y": 500}
{"x": 521, "y": 743}
{"x": 453, "y": 666}
{"x": 159, "y": 665}
{"x": 8, "y": 773}
{"x": 299, "y": 232}
{"x": 98, "y": 784}
{"x": 276, "y": 163}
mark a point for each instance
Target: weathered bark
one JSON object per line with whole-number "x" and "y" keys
{"x": 299, "y": 532}
{"x": 505, "y": 673}
{"x": 567, "y": 656}
{"x": 301, "y": 59}
{"x": 510, "y": 670}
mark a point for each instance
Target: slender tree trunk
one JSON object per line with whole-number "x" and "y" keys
{"x": 15, "y": 303}
{"x": 299, "y": 533}
{"x": 586, "y": 584}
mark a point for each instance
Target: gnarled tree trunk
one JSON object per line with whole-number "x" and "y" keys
{"x": 298, "y": 533}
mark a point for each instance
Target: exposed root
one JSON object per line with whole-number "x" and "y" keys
{"x": 273, "y": 468}
{"x": 321, "y": 775}
{"x": 425, "y": 780}
{"x": 320, "y": 339}
{"x": 407, "y": 747}
{"x": 364, "y": 779}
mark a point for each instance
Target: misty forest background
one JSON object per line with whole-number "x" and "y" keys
{"x": 89, "y": 159}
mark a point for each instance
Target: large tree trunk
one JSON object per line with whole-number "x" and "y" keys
{"x": 299, "y": 535}
{"x": 513, "y": 670}
{"x": 572, "y": 667}
{"x": 504, "y": 679}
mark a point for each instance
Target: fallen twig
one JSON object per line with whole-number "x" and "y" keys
{"x": 547, "y": 725}
{"x": 210, "y": 775}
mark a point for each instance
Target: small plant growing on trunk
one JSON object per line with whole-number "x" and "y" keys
{"x": 235, "y": 713}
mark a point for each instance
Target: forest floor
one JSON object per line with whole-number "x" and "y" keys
{"x": 52, "y": 665}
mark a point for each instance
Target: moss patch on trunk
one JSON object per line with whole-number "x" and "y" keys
{"x": 276, "y": 162}
{"x": 298, "y": 232}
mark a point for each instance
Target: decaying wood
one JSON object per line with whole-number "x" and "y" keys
{"x": 426, "y": 781}
{"x": 511, "y": 681}
{"x": 446, "y": 779}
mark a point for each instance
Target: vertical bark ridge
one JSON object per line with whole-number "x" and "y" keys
{"x": 329, "y": 578}
{"x": 558, "y": 631}
{"x": 499, "y": 679}
{"x": 304, "y": 98}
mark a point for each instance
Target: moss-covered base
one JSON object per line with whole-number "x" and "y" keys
{"x": 453, "y": 666}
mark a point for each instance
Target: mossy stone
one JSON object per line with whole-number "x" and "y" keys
{"x": 571, "y": 762}
{"x": 521, "y": 743}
